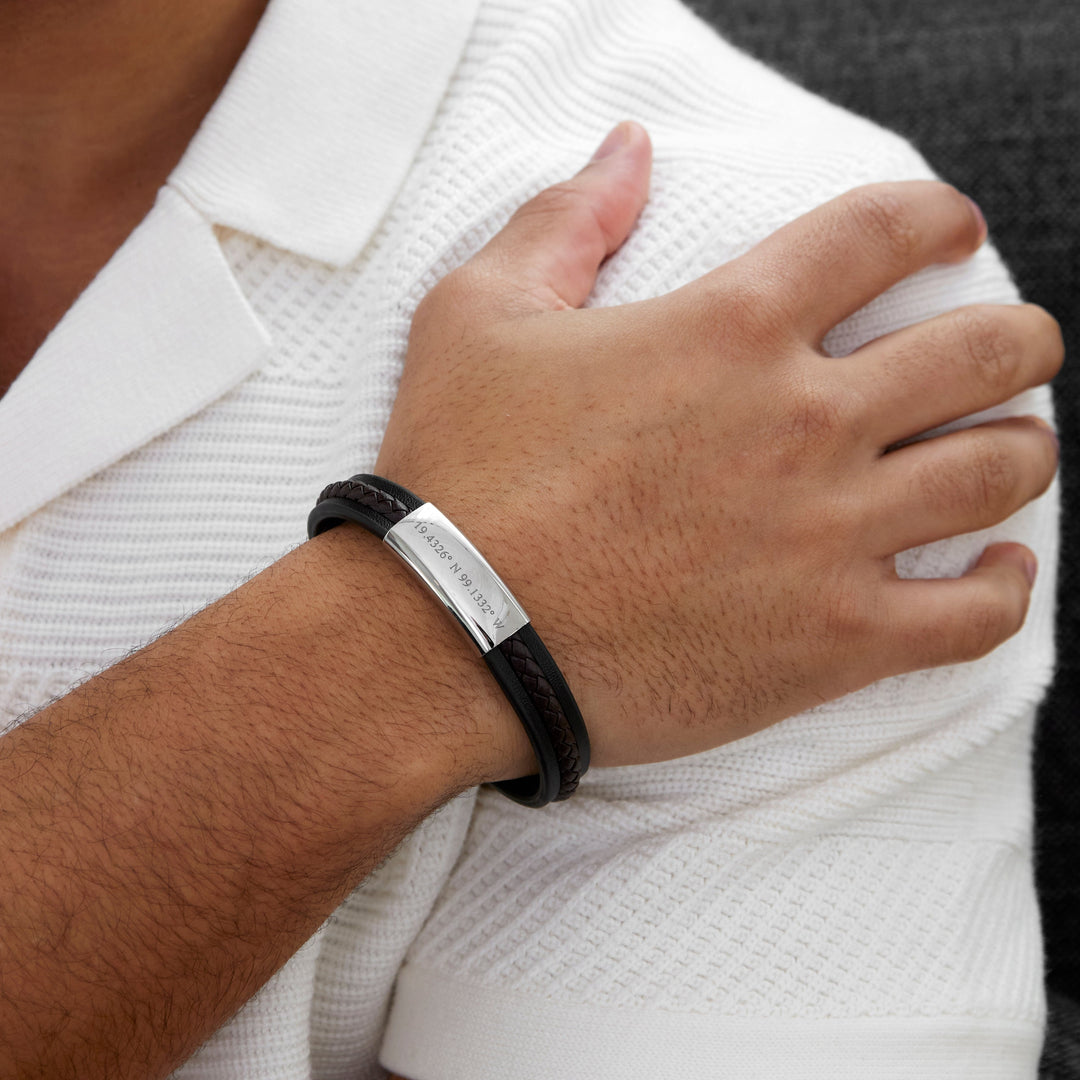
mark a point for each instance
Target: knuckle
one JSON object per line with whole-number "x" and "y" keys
{"x": 882, "y": 213}
{"x": 847, "y": 622}
{"x": 815, "y": 413}
{"x": 744, "y": 310}
{"x": 995, "y": 476}
{"x": 571, "y": 206}
{"x": 992, "y": 350}
{"x": 564, "y": 197}
{"x": 974, "y": 485}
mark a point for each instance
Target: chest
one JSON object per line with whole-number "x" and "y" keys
{"x": 43, "y": 269}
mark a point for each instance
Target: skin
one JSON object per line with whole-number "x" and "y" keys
{"x": 172, "y": 830}
{"x": 98, "y": 100}
{"x": 750, "y": 607}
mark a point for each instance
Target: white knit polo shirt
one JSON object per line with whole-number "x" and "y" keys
{"x": 845, "y": 895}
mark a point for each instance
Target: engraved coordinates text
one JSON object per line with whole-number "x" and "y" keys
{"x": 455, "y": 568}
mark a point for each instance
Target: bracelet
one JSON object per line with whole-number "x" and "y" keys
{"x": 477, "y": 598}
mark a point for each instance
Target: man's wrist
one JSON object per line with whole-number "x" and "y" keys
{"x": 417, "y": 684}
{"x": 469, "y": 588}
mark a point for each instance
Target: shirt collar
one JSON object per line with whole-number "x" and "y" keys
{"x": 160, "y": 333}
{"x": 305, "y": 148}
{"x": 321, "y": 119}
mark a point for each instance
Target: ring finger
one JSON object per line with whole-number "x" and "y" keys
{"x": 951, "y": 366}
{"x": 960, "y": 482}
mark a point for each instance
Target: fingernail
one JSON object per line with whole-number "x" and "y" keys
{"x": 979, "y": 218}
{"x": 617, "y": 138}
{"x": 1031, "y": 567}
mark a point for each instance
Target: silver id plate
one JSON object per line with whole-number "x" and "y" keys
{"x": 458, "y": 575}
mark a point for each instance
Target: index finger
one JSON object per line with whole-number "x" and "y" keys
{"x": 827, "y": 264}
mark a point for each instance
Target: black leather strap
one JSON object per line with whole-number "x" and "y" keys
{"x": 521, "y": 664}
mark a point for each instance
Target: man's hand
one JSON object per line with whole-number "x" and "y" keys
{"x": 698, "y": 508}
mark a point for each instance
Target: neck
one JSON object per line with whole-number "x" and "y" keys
{"x": 98, "y": 100}
{"x": 95, "y": 95}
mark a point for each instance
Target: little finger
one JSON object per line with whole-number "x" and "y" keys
{"x": 954, "y": 620}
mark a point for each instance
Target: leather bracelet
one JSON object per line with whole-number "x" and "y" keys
{"x": 475, "y": 595}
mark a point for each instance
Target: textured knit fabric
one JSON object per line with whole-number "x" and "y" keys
{"x": 846, "y": 894}
{"x": 991, "y": 96}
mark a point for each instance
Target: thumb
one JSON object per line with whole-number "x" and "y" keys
{"x": 547, "y": 256}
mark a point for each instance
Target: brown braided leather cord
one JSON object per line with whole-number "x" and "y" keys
{"x": 551, "y": 712}
{"x": 372, "y": 497}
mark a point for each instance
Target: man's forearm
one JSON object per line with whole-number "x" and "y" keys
{"x": 172, "y": 830}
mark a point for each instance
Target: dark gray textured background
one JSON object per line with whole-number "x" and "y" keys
{"x": 989, "y": 91}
